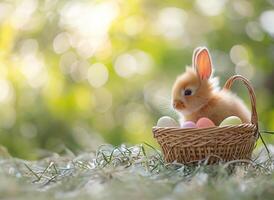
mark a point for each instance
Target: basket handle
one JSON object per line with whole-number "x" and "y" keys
{"x": 228, "y": 84}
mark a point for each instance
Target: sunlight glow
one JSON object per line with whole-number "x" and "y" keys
{"x": 89, "y": 24}
{"x": 23, "y": 13}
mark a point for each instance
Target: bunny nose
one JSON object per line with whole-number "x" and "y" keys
{"x": 178, "y": 104}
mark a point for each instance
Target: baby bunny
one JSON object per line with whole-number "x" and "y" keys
{"x": 194, "y": 94}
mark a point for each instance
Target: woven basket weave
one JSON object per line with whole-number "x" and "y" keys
{"x": 225, "y": 143}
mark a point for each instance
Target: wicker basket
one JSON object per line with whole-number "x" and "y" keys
{"x": 212, "y": 144}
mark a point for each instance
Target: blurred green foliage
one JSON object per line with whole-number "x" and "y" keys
{"x": 74, "y": 72}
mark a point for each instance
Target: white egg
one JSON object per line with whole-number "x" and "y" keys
{"x": 167, "y": 122}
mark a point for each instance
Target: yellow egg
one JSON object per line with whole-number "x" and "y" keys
{"x": 232, "y": 120}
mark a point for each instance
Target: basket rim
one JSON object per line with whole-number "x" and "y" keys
{"x": 157, "y": 131}
{"x": 204, "y": 129}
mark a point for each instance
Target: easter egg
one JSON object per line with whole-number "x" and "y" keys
{"x": 232, "y": 120}
{"x": 204, "y": 123}
{"x": 167, "y": 122}
{"x": 189, "y": 124}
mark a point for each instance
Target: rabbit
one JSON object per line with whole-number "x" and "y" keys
{"x": 195, "y": 95}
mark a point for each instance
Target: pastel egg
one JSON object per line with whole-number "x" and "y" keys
{"x": 167, "y": 122}
{"x": 189, "y": 124}
{"x": 232, "y": 120}
{"x": 204, "y": 123}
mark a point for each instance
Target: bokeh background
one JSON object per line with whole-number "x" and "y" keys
{"x": 75, "y": 74}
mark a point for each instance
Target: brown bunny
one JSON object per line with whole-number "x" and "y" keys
{"x": 195, "y": 95}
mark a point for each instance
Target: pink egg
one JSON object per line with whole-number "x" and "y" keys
{"x": 204, "y": 123}
{"x": 189, "y": 124}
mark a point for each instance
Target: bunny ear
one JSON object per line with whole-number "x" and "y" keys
{"x": 194, "y": 55}
{"x": 202, "y": 63}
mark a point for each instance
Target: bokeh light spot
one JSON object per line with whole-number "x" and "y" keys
{"x": 33, "y": 67}
{"x": 125, "y": 65}
{"x": 61, "y": 43}
{"x": 267, "y": 21}
{"x": 79, "y": 70}
{"x": 243, "y": 8}
{"x": 67, "y": 59}
{"x": 254, "y": 31}
{"x": 211, "y": 7}
{"x": 238, "y": 53}
{"x": 97, "y": 75}
{"x": 171, "y": 22}
{"x": 134, "y": 62}
{"x": 144, "y": 61}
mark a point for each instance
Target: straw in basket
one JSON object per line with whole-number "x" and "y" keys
{"x": 225, "y": 143}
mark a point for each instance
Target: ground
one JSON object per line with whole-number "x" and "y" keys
{"x": 134, "y": 172}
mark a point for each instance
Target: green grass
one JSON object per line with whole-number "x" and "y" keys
{"x": 136, "y": 172}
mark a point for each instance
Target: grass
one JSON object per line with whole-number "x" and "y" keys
{"x": 134, "y": 172}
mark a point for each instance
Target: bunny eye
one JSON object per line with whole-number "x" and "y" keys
{"x": 188, "y": 92}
